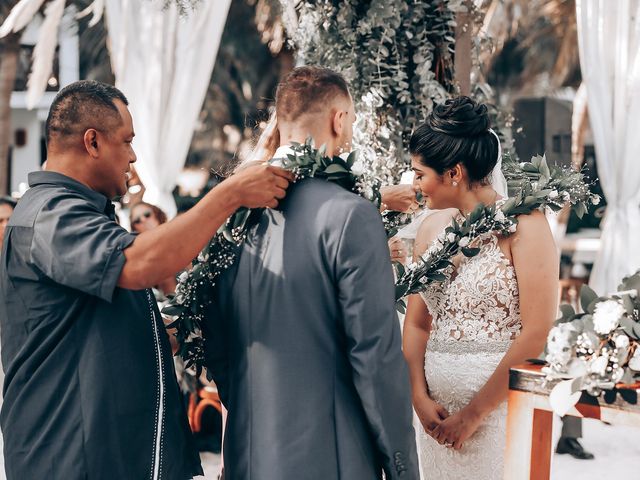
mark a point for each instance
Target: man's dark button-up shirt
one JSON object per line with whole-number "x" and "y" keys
{"x": 90, "y": 389}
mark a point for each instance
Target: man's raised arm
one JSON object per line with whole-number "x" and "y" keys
{"x": 163, "y": 251}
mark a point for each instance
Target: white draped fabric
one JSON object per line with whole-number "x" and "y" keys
{"x": 162, "y": 62}
{"x": 609, "y": 35}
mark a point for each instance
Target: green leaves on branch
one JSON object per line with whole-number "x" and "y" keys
{"x": 532, "y": 186}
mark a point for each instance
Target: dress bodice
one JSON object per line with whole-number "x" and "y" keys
{"x": 478, "y": 307}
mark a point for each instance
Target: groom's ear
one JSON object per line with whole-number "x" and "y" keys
{"x": 337, "y": 121}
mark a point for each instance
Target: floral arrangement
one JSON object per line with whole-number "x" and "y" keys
{"x": 596, "y": 351}
{"x": 194, "y": 290}
{"x": 532, "y": 186}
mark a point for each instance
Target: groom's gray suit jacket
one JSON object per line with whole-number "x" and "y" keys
{"x": 305, "y": 347}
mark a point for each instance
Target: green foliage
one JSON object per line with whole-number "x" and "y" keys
{"x": 532, "y": 186}
{"x": 397, "y": 58}
{"x": 194, "y": 291}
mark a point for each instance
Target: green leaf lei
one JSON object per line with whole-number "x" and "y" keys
{"x": 194, "y": 290}
{"x": 532, "y": 186}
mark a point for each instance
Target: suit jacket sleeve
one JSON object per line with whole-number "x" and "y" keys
{"x": 367, "y": 300}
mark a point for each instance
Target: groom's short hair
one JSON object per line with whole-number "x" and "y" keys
{"x": 306, "y": 90}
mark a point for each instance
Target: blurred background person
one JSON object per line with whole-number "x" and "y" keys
{"x": 7, "y": 204}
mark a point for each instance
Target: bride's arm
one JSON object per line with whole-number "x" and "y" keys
{"x": 536, "y": 264}
{"x": 417, "y": 325}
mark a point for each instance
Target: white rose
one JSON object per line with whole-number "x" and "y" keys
{"x": 512, "y": 228}
{"x": 634, "y": 363}
{"x": 595, "y": 200}
{"x": 499, "y": 216}
{"x": 183, "y": 276}
{"x": 553, "y": 194}
{"x": 606, "y": 316}
{"x": 451, "y": 237}
{"x": 464, "y": 241}
{"x": 559, "y": 345}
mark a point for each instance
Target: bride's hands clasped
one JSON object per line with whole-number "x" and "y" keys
{"x": 430, "y": 413}
{"x": 455, "y": 430}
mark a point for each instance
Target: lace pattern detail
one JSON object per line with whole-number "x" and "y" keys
{"x": 475, "y": 317}
{"x": 453, "y": 381}
{"x": 479, "y": 302}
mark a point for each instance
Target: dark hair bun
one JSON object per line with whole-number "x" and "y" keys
{"x": 457, "y": 131}
{"x": 460, "y": 117}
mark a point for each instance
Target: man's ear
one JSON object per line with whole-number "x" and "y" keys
{"x": 337, "y": 122}
{"x": 91, "y": 142}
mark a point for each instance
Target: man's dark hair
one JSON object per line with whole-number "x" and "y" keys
{"x": 4, "y": 200}
{"x": 306, "y": 89}
{"x": 83, "y": 105}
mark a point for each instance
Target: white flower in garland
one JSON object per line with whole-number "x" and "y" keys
{"x": 606, "y": 316}
{"x": 451, "y": 237}
{"x": 553, "y": 194}
{"x": 464, "y": 242}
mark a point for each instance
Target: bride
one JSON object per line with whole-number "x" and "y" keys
{"x": 494, "y": 311}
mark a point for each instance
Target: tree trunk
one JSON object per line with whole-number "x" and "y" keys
{"x": 8, "y": 70}
{"x": 462, "y": 59}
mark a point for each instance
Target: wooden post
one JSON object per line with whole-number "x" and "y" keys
{"x": 462, "y": 60}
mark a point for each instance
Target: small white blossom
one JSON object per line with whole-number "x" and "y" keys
{"x": 512, "y": 228}
{"x": 606, "y": 316}
{"x": 595, "y": 200}
{"x": 451, "y": 237}
{"x": 565, "y": 196}
{"x": 553, "y": 194}
{"x": 464, "y": 241}
{"x": 183, "y": 276}
{"x": 499, "y": 216}
{"x": 423, "y": 280}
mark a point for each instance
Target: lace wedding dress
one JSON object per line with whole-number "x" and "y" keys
{"x": 476, "y": 316}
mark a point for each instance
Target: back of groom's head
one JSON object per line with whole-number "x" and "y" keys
{"x": 308, "y": 89}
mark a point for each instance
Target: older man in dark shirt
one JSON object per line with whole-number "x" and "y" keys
{"x": 90, "y": 390}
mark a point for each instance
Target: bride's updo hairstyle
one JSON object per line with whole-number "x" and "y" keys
{"x": 457, "y": 131}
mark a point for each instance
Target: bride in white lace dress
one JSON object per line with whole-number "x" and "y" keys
{"x": 494, "y": 311}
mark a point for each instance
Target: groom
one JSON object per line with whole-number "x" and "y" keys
{"x": 305, "y": 343}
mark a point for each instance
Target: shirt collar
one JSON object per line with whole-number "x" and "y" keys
{"x": 102, "y": 203}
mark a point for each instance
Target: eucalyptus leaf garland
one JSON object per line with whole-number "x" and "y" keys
{"x": 194, "y": 291}
{"x": 532, "y": 186}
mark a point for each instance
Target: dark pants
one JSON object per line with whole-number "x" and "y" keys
{"x": 571, "y": 427}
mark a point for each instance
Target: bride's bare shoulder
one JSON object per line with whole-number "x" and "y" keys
{"x": 431, "y": 227}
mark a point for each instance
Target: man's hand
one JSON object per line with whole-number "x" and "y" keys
{"x": 397, "y": 250}
{"x": 260, "y": 185}
{"x": 399, "y": 198}
{"x": 430, "y": 413}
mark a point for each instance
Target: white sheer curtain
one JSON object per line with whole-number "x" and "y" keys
{"x": 163, "y": 63}
{"x": 609, "y": 35}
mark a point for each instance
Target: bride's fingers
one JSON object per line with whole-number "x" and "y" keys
{"x": 442, "y": 412}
